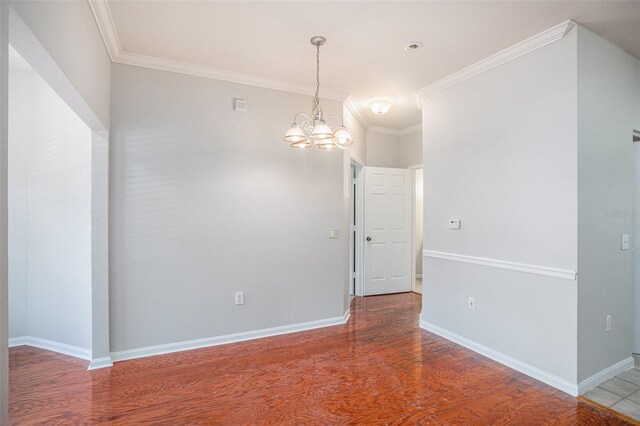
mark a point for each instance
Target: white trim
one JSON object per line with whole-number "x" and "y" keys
{"x": 347, "y": 315}
{"x": 103, "y": 362}
{"x": 604, "y": 375}
{"x": 529, "y": 370}
{"x": 414, "y": 276}
{"x": 223, "y": 340}
{"x": 50, "y": 345}
{"x": 532, "y": 43}
{"x": 104, "y": 19}
{"x": 162, "y": 64}
{"x": 396, "y": 132}
{"x": 352, "y": 105}
{"x": 356, "y": 159}
{"x": 566, "y": 274}
{"x": 18, "y": 341}
{"x": 358, "y": 212}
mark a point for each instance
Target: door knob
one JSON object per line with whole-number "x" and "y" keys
{"x": 368, "y": 238}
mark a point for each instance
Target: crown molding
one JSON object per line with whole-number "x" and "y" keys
{"x": 396, "y": 132}
{"x": 532, "y": 43}
{"x": 411, "y": 129}
{"x": 104, "y": 20}
{"x": 352, "y": 105}
{"x": 102, "y": 15}
{"x": 135, "y": 59}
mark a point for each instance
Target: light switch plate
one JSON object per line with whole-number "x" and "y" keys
{"x": 334, "y": 233}
{"x": 625, "y": 242}
{"x": 240, "y": 105}
{"x": 454, "y": 223}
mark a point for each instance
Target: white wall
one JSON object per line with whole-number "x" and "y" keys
{"x": 20, "y": 132}
{"x": 49, "y": 215}
{"x": 68, "y": 32}
{"x": 608, "y": 105}
{"x": 206, "y": 202}
{"x": 411, "y": 149}
{"x": 513, "y": 185}
{"x": 383, "y": 150}
{"x": 4, "y": 298}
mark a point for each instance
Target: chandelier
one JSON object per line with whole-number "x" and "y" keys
{"x": 306, "y": 132}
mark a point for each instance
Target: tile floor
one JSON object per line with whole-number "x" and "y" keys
{"x": 621, "y": 394}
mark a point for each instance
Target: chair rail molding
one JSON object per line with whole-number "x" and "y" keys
{"x": 566, "y": 274}
{"x": 532, "y": 43}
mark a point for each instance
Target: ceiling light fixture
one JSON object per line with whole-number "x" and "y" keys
{"x": 380, "y": 106}
{"x": 306, "y": 132}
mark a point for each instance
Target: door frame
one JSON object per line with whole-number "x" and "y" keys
{"x": 413, "y": 169}
{"x": 356, "y": 210}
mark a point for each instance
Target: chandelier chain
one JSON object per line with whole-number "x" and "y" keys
{"x": 316, "y": 100}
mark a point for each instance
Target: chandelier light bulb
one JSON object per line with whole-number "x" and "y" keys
{"x": 295, "y": 134}
{"x": 321, "y": 131}
{"x": 344, "y": 138}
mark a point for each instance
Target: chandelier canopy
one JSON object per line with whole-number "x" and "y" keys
{"x": 307, "y": 132}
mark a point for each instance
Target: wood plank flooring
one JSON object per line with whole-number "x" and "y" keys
{"x": 380, "y": 368}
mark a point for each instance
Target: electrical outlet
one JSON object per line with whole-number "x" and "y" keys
{"x": 334, "y": 233}
{"x": 239, "y": 298}
{"x": 607, "y": 323}
{"x": 471, "y": 303}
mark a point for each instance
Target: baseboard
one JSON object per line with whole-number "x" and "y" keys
{"x": 50, "y": 345}
{"x": 604, "y": 375}
{"x": 529, "y": 370}
{"x": 100, "y": 363}
{"x": 224, "y": 339}
{"x": 347, "y": 315}
{"x": 18, "y": 341}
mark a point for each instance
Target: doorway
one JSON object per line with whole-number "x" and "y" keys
{"x": 49, "y": 212}
{"x": 96, "y": 182}
{"x": 387, "y": 230}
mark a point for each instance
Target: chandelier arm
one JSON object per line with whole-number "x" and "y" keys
{"x": 305, "y": 117}
{"x": 338, "y": 117}
{"x": 305, "y": 122}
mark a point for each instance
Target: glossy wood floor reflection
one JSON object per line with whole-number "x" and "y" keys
{"x": 380, "y": 368}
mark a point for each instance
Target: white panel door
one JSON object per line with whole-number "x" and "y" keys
{"x": 387, "y": 230}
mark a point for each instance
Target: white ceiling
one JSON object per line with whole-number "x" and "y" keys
{"x": 364, "y": 54}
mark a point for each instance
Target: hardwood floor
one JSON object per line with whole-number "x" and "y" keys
{"x": 380, "y": 368}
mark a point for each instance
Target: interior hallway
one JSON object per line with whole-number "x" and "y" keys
{"x": 378, "y": 368}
